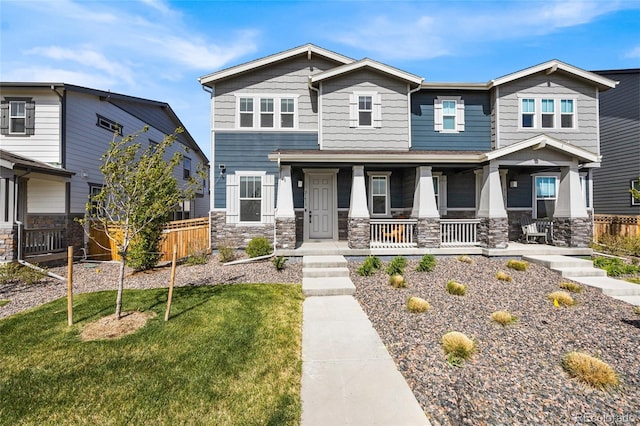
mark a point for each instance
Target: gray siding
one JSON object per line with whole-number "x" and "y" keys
{"x": 619, "y": 145}
{"x": 336, "y": 133}
{"x": 556, "y": 85}
{"x": 249, "y": 151}
{"x": 477, "y": 116}
{"x": 287, "y": 77}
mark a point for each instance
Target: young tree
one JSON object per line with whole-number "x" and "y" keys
{"x": 138, "y": 195}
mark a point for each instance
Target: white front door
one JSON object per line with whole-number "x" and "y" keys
{"x": 320, "y": 206}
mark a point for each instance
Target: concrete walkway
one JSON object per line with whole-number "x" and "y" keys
{"x": 583, "y": 271}
{"x": 348, "y": 376}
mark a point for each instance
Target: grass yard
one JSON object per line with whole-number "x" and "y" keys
{"x": 229, "y": 355}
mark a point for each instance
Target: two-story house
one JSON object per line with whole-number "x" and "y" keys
{"x": 308, "y": 144}
{"x": 52, "y": 137}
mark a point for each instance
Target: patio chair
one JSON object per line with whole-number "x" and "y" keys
{"x": 531, "y": 229}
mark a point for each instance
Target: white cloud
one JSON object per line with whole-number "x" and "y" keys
{"x": 633, "y": 53}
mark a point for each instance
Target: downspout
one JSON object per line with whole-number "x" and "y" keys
{"x": 319, "y": 111}
{"x": 275, "y": 225}
{"x": 409, "y": 93}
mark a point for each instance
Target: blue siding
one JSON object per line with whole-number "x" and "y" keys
{"x": 477, "y": 116}
{"x": 520, "y": 196}
{"x": 461, "y": 190}
{"x": 249, "y": 151}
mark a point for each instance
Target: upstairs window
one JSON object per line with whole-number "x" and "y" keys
{"x": 287, "y": 112}
{"x": 448, "y": 114}
{"x": 636, "y": 185}
{"x": 18, "y": 117}
{"x": 548, "y": 113}
{"x": 566, "y": 113}
{"x": 186, "y": 168}
{"x": 528, "y": 113}
{"x": 365, "y": 110}
{"x": 246, "y": 112}
{"x": 108, "y": 124}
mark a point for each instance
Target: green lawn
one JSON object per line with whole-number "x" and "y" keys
{"x": 229, "y": 355}
{"x": 4, "y": 302}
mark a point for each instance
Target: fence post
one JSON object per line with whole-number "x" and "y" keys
{"x": 173, "y": 277}
{"x": 70, "y": 285}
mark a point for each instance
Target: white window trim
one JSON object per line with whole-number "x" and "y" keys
{"x": 250, "y": 222}
{"x": 438, "y": 114}
{"x": 534, "y": 193}
{"x": 277, "y": 97}
{"x": 634, "y": 202}
{"x": 13, "y": 117}
{"x": 376, "y": 110}
{"x": 554, "y": 115}
{"x": 557, "y": 119}
{"x": 387, "y": 176}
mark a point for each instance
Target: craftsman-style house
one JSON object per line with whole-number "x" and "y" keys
{"x": 308, "y": 144}
{"x": 52, "y": 137}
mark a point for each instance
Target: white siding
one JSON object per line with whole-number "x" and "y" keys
{"x": 44, "y": 144}
{"x": 556, "y": 85}
{"x": 45, "y": 196}
{"x": 288, "y": 77}
{"x": 337, "y": 132}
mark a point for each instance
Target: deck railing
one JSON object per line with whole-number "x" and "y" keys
{"x": 392, "y": 233}
{"x": 459, "y": 232}
{"x": 43, "y": 240}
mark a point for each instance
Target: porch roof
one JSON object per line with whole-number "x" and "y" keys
{"x": 11, "y": 161}
{"x": 545, "y": 142}
{"x": 380, "y": 156}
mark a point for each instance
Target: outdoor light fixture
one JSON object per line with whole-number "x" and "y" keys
{"x": 513, "y": 184}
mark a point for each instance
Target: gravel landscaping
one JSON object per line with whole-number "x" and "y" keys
{"x": 89, "y": 277}
{"x": 515, "y": 377}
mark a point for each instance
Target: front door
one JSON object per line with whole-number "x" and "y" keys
{"x": 320, "y": 206}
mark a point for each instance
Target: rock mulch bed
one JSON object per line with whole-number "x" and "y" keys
{"x": 516, "y": 375}
{"x": 88, "y": 277}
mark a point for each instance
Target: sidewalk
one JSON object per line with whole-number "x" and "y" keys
{"x": 348, "y": 377}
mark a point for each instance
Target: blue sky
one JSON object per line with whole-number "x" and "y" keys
{"x": 157, "y": 49}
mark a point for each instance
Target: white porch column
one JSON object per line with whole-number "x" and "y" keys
{"x": 503, "y": 184}
{"x": 358, "y": 203}
{"x": 491, "y": 200}
{"x": 570, "y": 203}
{"x": 424, "y": 197}
{"x": 284, "y": 201}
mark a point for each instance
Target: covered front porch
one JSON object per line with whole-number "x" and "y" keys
{"x": 464, "y": 201}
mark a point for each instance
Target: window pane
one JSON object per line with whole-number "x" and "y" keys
{"x": 286, "y": 105}
{"x": 266, "y": 105}
{"x": 379, "y": 185}
{"x": 528, "y": 105}
{"x": 449, "y": 123}
{"x": 364, "y": 102}
{"x": 547, "y": 105}
{"x": 449, "y": 107}
{"x": 17, "y": 109}
{"x": 286, "y": 120}
{"x": 246, "y": 104}
{"x": 266, "y": 120}
{"x": 545, "y": 208}
{"x": 527, "y": 120}
{"x": 17, "y": 125}
{"x": 246, "y": 120}
{"x": 566, "y": 106}
{"x": 379, "y": 204}
{"x": 545, "y": 187}
{"x": 250, "y": 210}
{"x": 365, "y": 118}
{"x": 566, "y": 121}
{"x": 547, "y": 120}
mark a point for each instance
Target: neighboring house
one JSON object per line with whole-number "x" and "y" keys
{"x": 52, "y": 138}
{"x": 619, "y": 145}
{"x": 308, "y": 144}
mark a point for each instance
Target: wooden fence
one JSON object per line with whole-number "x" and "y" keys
{"x": 624, "y": 226}
{"x": 191, "y": 236}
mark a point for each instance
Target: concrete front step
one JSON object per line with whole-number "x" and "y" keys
{"x": 327, "y": 286}
{"x": 610, "y": 286}
{"x": 633, "y": 300}
{"x": 324, "y": 262}
{"x": 581, "y": 272}
{"x": 555, "y": 261}
{"x": 325, "y": 272}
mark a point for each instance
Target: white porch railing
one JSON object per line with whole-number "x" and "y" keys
{"x": 459, "y": 232}
{"x": 392, "y": 233}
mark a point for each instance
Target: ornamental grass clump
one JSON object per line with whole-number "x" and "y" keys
{"x": 503, "y": 276}
{"x": 636, "y": 310}
{"x": 465, "y": 259}
{"x": 518, "y": 265}
{"x": 458, "y": 347}
{"x": 561, "y": 298}
{"x": 417, "y": 304}
{"x": 397, "y": 281}
{"x": 571, "y": 286}
{"x": 589, "y": 370}
{"x": 427, "y": 263}
{"x": 503, "y": 318}
{"x": 455, "y": 288}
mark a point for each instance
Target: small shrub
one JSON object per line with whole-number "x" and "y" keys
{"x": 503, "y": 318}
{"x": 427, "y": 263}
{"x": 458, "y": 347}
{"x": 456, "y": 288}
{"x": 279, "y": 262}
{"x": 397, "y": 281}
{"x": 503, "y": 276}
{"x": 518, "y": 265}
{"x": 14, "y": 272}
{"x": 259, "y": 246}
{"x": 397, "y": 265}
{"x": 226, "y": 253}
{"x": 370, "y": 265}
{"x": 196, "y": 259}
{"x": 562, "y": 297}
{"x": 636, "y": 310}
{"x": 615, "y": 267}
{"x": 590, "y": 370}
{"x": 571, "y": 286}
{"x": 417, "y": 305}
{"x": 465, "y": 259}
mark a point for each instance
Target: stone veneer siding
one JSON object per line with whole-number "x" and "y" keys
{"x": 74, "y": 232}
{"x": 235, "y": 235}
{"x": 515, "y": 225}
{"x": 493, "y": 232}
{"x": 428, "y": 232}
{"x": 569, "y": 232}
{"x": 343, "y": 225}
{"x": 285, "y": 233}
{"x": 359, "y": 233}
{"x": 8, "y": 243}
